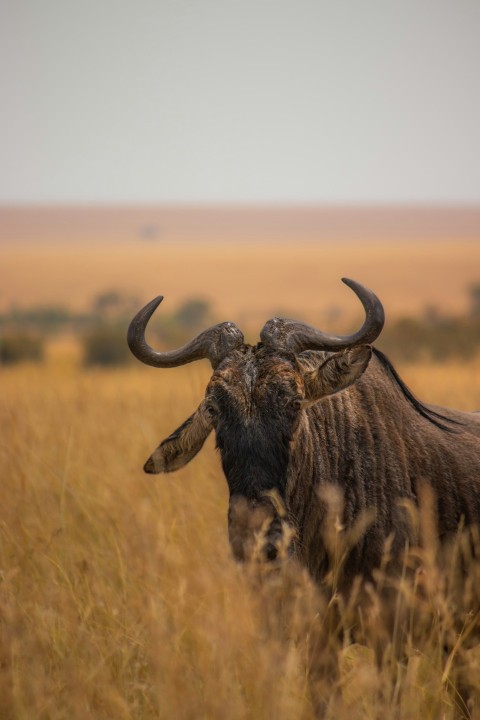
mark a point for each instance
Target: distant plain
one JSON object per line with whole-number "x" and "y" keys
{"x": 245, "y": 282}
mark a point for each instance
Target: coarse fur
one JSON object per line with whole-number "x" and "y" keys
{"x": 290, "y": 426}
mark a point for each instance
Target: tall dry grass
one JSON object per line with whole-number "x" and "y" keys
{"x": 119, "y": 597}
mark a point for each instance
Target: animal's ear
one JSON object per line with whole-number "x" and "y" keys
{"x": 182, "y": 445}
{"x": 338, "y": 372}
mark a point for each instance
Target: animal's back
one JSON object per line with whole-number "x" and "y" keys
{"x": 468, "y": 422}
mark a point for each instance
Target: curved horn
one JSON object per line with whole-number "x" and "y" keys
{"x": 294, "y": 336}
{"x": 215, "y": 343}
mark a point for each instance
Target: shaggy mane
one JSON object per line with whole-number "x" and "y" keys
{"x": 437, "y": 419}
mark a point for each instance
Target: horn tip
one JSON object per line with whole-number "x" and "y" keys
{"x": 150, "y": 307}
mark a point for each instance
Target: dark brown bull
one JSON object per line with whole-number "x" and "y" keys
{"x": 303, "y": 411}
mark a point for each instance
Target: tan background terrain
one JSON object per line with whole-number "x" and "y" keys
{"x": 246, "y": 282}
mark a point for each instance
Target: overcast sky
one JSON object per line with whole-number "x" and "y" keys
{"x": 240, "y": 100}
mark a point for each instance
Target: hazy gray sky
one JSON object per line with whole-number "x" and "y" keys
{"x": 240, "y": 100}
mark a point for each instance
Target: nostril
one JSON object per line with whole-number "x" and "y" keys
{"x": 270, "y": 551}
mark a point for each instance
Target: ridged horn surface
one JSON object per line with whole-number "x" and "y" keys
{"x": 294, "y": 336}
{"x": 215, "y": 343}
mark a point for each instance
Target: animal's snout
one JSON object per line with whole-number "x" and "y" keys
{"x": 274, "y": 538}
{"x": 271, "y": 552}
{"x": 257, "y": 531}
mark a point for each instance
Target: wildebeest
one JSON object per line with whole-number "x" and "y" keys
{"x": 304, "y": 410}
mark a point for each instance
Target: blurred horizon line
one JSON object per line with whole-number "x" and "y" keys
{"x": 164, "y": 222}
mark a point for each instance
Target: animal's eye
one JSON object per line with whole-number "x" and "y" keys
{"x": 211, "y": 410}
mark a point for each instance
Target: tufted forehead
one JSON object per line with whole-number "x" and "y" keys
{"x": 255, "y": 370}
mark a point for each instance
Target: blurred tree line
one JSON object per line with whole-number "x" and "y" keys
{"x": 435, "y": 336}
{"x": 102, "y": 330}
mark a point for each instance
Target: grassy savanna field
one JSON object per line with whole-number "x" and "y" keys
{"x": 118, "y": 594}
{"x": 119, "y": 598}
